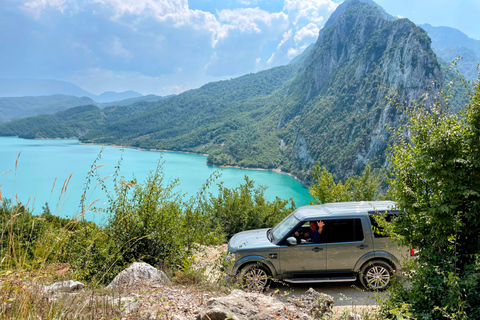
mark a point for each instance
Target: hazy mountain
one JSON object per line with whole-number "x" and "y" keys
{"x": 110, "y": 96}
{"x": 46, "y": 87}
{"x": 21, "y": 107}
{"x": 126, "y": 102}
{"x": 450, "y": 43}
{"x": 328, "y": 106}
{"x": 40, "y": 87}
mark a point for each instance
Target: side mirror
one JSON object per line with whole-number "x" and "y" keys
{"x": 291, "y": 241}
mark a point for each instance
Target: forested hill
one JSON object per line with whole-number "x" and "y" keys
{"x": 12, "y": 108}
{"x": 328, "y": 106}
{"x": 164, "y": 118}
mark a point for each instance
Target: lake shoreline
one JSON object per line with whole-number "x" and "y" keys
{"x": 203, "y": 154}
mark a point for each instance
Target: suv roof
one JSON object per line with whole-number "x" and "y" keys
{"x": 329, "y": 209}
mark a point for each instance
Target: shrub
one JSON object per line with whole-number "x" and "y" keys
{"x": 245, "y": 208}
{"x": 435, "y": 181}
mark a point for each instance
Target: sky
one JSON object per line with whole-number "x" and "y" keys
{"x": 168, "y": 46}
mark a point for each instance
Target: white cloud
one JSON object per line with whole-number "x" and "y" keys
{"x": 160, "y": 37}
{"x": 116, "y": 49}
{"x": 285, "y": 37}
{"x": 306, "y": 11}
{"x": 248, "y": 19}
{"x": 37, "y": 6}
{"x": 309, "y": 32}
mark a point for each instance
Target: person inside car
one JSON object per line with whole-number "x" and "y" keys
{"x": 314, "y": 235}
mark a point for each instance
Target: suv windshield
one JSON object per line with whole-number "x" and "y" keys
{"x": 281, "y": 229}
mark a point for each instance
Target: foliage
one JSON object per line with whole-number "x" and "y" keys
{"x": 28, "y": 241}
{"x": 245, "y": 208}
{"x": 356, "y": 188}
{"x": 435, "y": 174}
{"x": 149, "y": 221}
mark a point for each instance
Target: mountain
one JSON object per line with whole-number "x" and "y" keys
{"x": 46, "y": 87}
{"x": 329, "y": 105}
{"x": 71, "y": 123}
{"x": 171, "y": 115}
{"x": 40, "y": 87}
{"x": 110, "y": 96}
{"x": 22, "y": 107}
{"x": 126, "y": 102}
{"x": 450, "y": 43}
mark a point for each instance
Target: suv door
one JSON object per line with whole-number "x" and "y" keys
{"x": 306, "y": 260}
{"x": 347, "y": 241}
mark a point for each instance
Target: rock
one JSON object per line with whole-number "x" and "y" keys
{"x": 313, "y": 303}
{"x": 64, "y": 286}
{"x": 138, "y": 272}
{"x": 354, "y": 316}
{"x": 241, "y": 305}
{"x": 126, "y": 305}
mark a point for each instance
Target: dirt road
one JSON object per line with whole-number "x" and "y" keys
{"x": 348, "y": 294}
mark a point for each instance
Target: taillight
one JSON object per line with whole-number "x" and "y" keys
{"x": 411, "y": 250}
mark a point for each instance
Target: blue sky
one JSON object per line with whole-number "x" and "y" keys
{"x": 169, "y": 46}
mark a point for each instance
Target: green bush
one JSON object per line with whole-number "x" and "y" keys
{"x": 245, "y": 208}
{"x": 435, "y": 181}
{"x": 356, "y": 188}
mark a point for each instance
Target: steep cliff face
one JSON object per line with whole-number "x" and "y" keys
{"x": 338, "y": 104}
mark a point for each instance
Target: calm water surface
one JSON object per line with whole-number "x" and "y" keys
{"x": 43, "y": 161}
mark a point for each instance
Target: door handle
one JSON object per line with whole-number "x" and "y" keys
{"x": 362, "y": 246}
{"x": 316, "y": 249}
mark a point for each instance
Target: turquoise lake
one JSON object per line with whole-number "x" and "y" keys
{"x": 44, "y": 165}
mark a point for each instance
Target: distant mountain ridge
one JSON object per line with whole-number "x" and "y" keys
{"x": 450, "y": 43}
{"x": 328, "y": 106}
{"x": 110, "y": 96}
{"x": 46, "y": 87}
{"x": 22, "y": 107}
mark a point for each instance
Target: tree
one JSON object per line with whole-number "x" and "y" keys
{"x": 356, "y": 188}
{"x": 245, "y": 208}
{"x": 436, "y": 183}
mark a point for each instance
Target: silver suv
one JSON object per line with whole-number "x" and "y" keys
{"x": 347, "y": 248}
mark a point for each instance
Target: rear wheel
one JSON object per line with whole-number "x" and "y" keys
{"x": 376, "y": 275}
{"x": 254, "y": 277}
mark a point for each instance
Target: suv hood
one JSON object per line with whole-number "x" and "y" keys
{"x": 251, "y": 239}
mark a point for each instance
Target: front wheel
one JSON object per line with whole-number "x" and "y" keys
{"x": 376, "y": 275}
{"x": 254, "y": 277}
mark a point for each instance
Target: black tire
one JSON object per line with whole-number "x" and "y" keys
{"x": 376, "y": 275}
{"x": 254, "y": 277}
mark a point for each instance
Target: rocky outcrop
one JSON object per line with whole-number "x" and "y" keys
{"x": 338, "y": 105}
{"x": 138, "y": 273}
{"x": 64, "y": 286}
{"x": 241, "y": 305}
{"x": 313, "y": 303}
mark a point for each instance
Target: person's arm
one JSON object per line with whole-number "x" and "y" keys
{"x": 320, "y": 225}
{"x": 316, "y": 237}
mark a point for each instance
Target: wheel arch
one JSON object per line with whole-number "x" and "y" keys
{"x": 378, "y": 256}
{"x": 240, "y": 264}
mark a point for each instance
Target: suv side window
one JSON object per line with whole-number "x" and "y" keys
{"x": 343, "y": 230}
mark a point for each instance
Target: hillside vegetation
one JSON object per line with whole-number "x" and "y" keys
{"x": 23, "y": 107}
{"x": 332, "y": 105}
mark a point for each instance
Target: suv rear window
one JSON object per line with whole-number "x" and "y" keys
{"x": 377, "y": 230}
{"x": 343, "y": 230}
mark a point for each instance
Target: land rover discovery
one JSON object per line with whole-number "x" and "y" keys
{"x": 347, "y": 249}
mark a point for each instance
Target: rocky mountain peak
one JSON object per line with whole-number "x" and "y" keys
{"x": 361, "y": 35}
{"x": 338, "y": 103}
